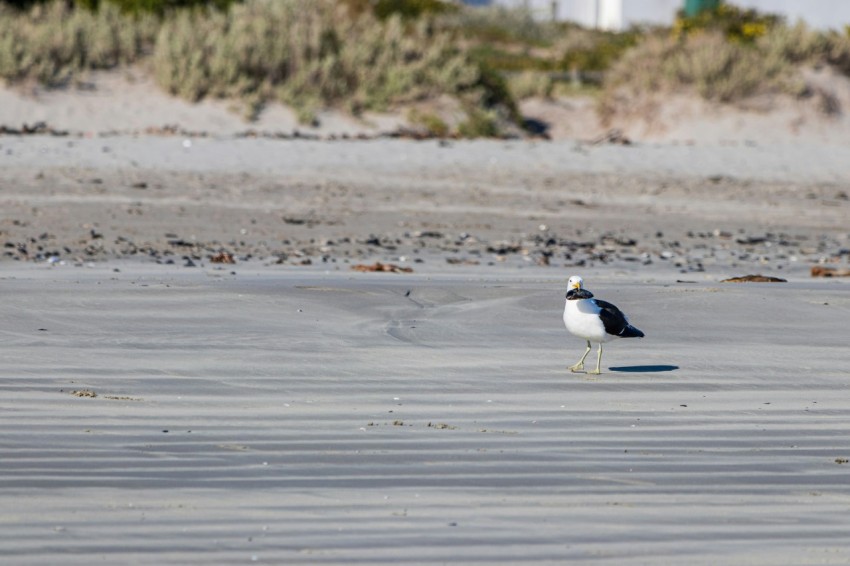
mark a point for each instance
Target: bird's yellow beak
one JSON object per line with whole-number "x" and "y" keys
{"x": 576, "y": 285}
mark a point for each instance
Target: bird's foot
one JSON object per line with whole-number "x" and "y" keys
{"x": 577, "y": 367}
{"x": 594, "y": 372}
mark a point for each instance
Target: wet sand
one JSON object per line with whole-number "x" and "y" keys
{"x": 293, "y": 415}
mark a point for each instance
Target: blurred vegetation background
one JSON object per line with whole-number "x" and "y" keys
{"x": 364, "y": 55}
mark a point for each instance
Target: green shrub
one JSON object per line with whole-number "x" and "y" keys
{"x": 498, "y": 24}
{"x": 133, "y": 6}
{"x": 410, "y": 8}
{"x": 19, "y": 4}
{"x": 513, "y": 40}
{"x": 407, "y": 9}
{"x": 433, "y": 124}
{"x": 479, "y": 124}
{"x": 507, "y": 59}
{"x": 593, "y": 50}
{"x": 735, "y": 23}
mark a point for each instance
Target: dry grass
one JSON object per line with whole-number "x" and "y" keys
{"x": 714, "y": 67}
{"x": 498, "y": 24}
{"x": 536, "y": 56}
{"x": 310, "y": 56}
{"x": 318, "y": 54}
{"x": 529, "y": 84}
{"x": 307, "y": 54}
{"x": 53, "y": 44}
{"x": 430, "y": 122}
{"x": 721, "y": 70}
{"x": 801, "y": 45}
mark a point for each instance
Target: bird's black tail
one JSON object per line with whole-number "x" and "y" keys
{"x": 631, "y": 332}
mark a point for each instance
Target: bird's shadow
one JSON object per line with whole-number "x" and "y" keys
{"x": 645, "y": 369}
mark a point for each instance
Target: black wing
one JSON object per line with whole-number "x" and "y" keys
{"x": 615, "y": 321}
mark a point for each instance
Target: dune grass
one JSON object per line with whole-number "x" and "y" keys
{"x": 706, "y": 64}
{"x": 373, "y": 55}
{"x": 310, "y": 56}
{"x": 537, "y": 57}
{"x": 52, "y": 43}
{"x": 743, "y": 54}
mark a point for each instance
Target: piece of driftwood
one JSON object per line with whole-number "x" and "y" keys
{"x": 754, "y": 279}
{"x": 223, "y": 257}
{"x": 820, "y": 271}
{"x": 378, "y": 266}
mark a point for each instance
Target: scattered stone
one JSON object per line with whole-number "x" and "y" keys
{"x": 752, "y": 240}
{"x": 166, "y": 130}
{"x": 83, "y": 393}
{"x": 38, "y": 128}
{"x": 428, "y": 234}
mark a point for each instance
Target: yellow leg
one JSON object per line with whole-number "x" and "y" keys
{"x": 597, "y": 371}
{"x": 580, "y": 365}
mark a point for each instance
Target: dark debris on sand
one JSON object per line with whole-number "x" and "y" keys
{"x": 689, "y": 253}
{"x": 334, "y": 223}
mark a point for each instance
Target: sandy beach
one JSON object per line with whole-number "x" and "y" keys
{"x": 295, "y": 415}
{"x": 711, "y": 210}
{"x": 193, "y": 373}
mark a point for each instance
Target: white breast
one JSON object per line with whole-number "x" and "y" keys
{"x": 581, "y": 318}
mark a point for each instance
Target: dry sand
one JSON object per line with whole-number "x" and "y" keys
{"x": 713, "y": 211}
{"x": 286, "y": 409}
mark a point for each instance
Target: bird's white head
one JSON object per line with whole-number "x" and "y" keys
{"x": 575, "y": 282}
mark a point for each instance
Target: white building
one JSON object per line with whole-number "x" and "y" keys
{"x": 620, "y": 14}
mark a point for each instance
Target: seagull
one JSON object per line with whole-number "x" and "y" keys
{"x": 594, "y": 320}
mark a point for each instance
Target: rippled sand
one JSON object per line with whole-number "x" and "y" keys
{"x": 298, "y": 415}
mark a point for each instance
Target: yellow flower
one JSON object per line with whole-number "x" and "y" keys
{"x": 753, "y": 29}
